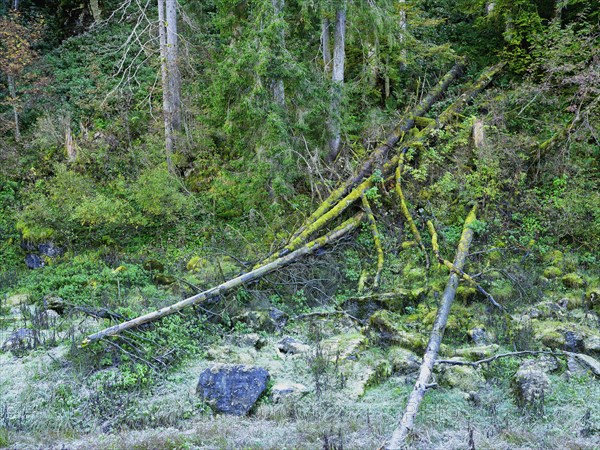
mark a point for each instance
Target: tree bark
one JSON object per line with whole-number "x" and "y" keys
{"x": 166, "y": 89}
{"x": 337, "y": 78}
{"x": 172, "y": 55}
{"x": 96, "y": 11}
{"x": 435, "y": 339}
{"x": 402, "y": 37}
{"x": 325, "y": 44}
{"x": 12, "y": 90}
{"x": 345, "y": 228}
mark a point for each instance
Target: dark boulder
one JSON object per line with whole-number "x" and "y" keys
{"x": 50, "y": 250}
{"x": 573, "y": 342}
{"x": 34, "y": 261}
{"x": 231, "y": 388}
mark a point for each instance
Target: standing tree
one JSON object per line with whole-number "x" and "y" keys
{"x": 337, "y": 78}
{"x": 171, "y": 84}
{"x": 16, "y": 53}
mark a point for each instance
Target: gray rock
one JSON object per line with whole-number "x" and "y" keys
{"x": 531, "y": 386}
{"x": 291, "y": 346}
{"x": 592, "y": 345}
{"x": 50, "y": 250}
{"x": 286, "y": 390}
{"x": 278, "y": 317}
{"x": 19, "y": 339}
{"x": 545, "y": 363}
{"x": 479, "y": 336}
{"x": 573, "y": 342}
{"x": 232, "y": 389}
{"x": 34, "y": 261}
{"x": 253, "y": 340}
{"x": 580, "y": 364}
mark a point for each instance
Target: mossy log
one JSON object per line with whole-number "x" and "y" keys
{"x": 342, "y": 230}
{"x": 376, "y": 240}
{"x": 380, "y": 152}
{"x": 349, "y": 192}
{"x": 408, "y": 419}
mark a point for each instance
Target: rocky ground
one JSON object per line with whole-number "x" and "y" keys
{"x": 312, "y": 381}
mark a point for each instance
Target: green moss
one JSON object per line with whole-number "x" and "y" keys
{"x": 572, "y": 280}
{"x": 466, "y": 293}
{"x": 385, "y": 324}
{"x": 554, "y": 257}
{"x": 196, "y": 264}
{"x": 502, "y": 290}
{"x": 552, "y": 272}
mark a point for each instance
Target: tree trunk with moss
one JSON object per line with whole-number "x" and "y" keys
{"x": 437, "y": 333}
{"x": 334, "y": 235}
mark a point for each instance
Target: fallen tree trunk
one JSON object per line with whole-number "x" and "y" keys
{"x": 407, "y": 422}
{"x": 349, "y": 192}
{"x": 380, "y": 152}
{"x": 452, "y": 268}
{"x": 345, "y": 228}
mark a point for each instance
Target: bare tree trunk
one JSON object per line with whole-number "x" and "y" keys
{"x": 402, "y": 37}
{"x": 337, "y": 77}
{"x": 96, "y": 11}
{"x": 337, "y": 233}
{"x": 70, "y": 145}
{"x": 435, "y": 339}
{"x": 173, "y": 63}
{"x": 167, "y": 103}
{"x": 12, "y": 89}
{"x": 278, "y": 86}
{"x": 15, "y": 4}
{"x": 326, "y": 45}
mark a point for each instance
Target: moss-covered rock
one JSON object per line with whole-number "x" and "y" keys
{"x": 554, "y": 257}
{"x": 403, "y": 361}
{"x": 465, "y": 378}
{"x": 571, "y": 302}
{"x": 154, "y": 265}
{"x": 530, "y": 387}
{"x": 572, "y": 280}
{"x": 477, "y": 353}
{"x": 552, "y": 272}
{"x": 196, "y": 264}
{"x": 343, "y": 346}
{"x": 384, "y": 325}
{"x": 164, "y": 279}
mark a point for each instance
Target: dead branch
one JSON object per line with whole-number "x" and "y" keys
{"x": 491, "y": 359}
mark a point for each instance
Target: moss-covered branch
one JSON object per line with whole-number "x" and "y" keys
{"x": 435, "y": 339}
{"x": 376, "y": 240}
{"x": 406, "y": 213}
